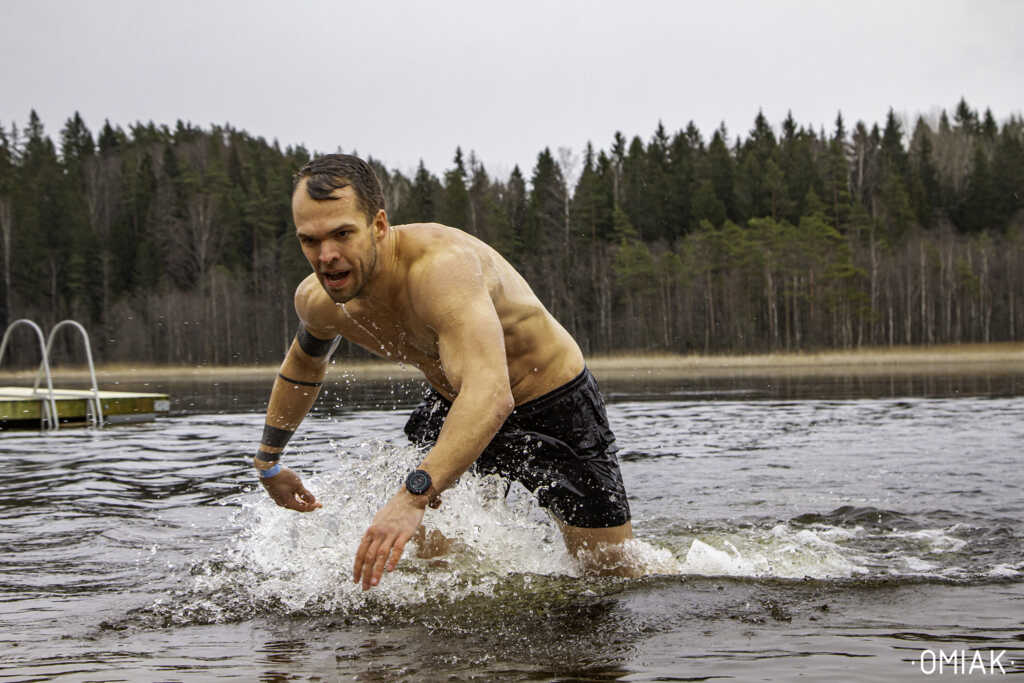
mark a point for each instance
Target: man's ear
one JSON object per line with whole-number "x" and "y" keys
{"x": 380, "y": 224}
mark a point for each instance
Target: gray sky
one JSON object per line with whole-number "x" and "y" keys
{"x": 410, "y": 80}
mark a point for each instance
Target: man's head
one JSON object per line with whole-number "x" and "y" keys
{"x": 325, "y": 174}
{"x": 338, "y": 208}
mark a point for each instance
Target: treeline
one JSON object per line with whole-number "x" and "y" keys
{"x": 176, "y": 245}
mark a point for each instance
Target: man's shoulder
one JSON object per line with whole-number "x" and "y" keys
{"x": 314, "y": 307}
{"x": 429, "y": 235}
{"x": 444, "y": 267}
{"x": 432, "y": 246}
{"x": 440, "y": 254}
{"x": 309, "y": 290}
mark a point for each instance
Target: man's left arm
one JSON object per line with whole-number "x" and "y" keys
{"x": 453, "y": 299}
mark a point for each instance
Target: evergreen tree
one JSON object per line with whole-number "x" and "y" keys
{"x": 586, "y": 205}
{"x": 754, "y": 195}
{"x": 802, "y": 172}
{"x": 636, "y": 194}
{"x": 837, "y": 177}
{"x": 894, "y": 157}
{"x": 455, "y": 197}
{"x": 483, "y": 201}
{"x": 146, "y": 269}
{"x": 82, "y": 185}
{"x": 544, "y": 215}
{"x": 966, "y": 118}
{"x": 897, "y": 214}
{"x": 515, "y": 208}
{"x": 978, "y": 210}
{"x": 1008, "y": 173}
{"x": 44, "y": 252}
{"x": 924, "y": 188}
{"x": 721, "y": 174}
{"x": 707, "y": 207}
{"x": 684, "y": 150}
{"x": 989, "y": 130}
{"x": 424, "y": 198}
{"x": 661, "y": 226}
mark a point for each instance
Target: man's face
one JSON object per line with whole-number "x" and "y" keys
{"x": 337, "y": 240}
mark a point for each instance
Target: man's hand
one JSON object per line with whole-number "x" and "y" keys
{"x": 287, "y": 490}
{"x": 383, "y": 543}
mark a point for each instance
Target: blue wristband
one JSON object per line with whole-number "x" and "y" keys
{"x": 270, "y": 471}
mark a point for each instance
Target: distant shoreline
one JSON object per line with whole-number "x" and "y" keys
{"x": 1000, "y": 358}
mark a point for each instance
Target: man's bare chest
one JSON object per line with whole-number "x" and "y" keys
{"x": 389, "y": 334}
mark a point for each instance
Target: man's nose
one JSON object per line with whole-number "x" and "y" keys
{"x": 328, "y": 252}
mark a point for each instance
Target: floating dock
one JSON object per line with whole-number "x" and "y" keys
{"x": 23, "y": 407}
{"x": 45, "y": 408}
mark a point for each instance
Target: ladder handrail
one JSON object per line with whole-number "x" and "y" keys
{"x": 51, "y": 420}
{"x": 97, "y": 408}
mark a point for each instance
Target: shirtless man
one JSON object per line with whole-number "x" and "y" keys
{"x": 510, "y": 392}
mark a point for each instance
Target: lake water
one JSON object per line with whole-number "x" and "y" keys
{"x": 825, "y": 528}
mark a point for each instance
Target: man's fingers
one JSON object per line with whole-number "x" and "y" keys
{"x": 368, "y": 561}
{"x": 357, "y": 566}
{"x": 286, "y": 490}
{"x": 382, "y": 558}
{"x": 306, "y": 500}
{"x": 293, "y": 502}
{"x": 396, "y": 553}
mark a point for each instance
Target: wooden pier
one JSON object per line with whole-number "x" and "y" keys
{"x": 22, "y": 408}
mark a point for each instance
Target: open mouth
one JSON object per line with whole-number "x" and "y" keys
{"x": 336, "y": 278}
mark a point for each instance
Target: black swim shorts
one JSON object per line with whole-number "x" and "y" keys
{"x": 558, "y": 445}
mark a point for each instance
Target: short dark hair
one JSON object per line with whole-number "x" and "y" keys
{"x": 330, "y": 172}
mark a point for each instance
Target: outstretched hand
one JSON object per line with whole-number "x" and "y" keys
{"x": 383, "y": 543}
{"x": 287, "y": 491}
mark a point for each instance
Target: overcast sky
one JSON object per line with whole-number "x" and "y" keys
{"x": 409, "y": 80}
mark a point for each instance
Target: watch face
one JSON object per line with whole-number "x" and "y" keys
{"x": 418, "y": 482}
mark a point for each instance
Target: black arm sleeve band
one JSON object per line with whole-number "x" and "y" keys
{"x": 314, "y": 346}
{"x": 299, "y": 381}
{"x": 268, "y": 457}
{"x": 274, "y": 437}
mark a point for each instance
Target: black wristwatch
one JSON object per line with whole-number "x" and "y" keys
{"x": 418, "y": 482}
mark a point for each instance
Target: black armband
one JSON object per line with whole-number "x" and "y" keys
{"x": 267, "y": 457}
{"x": 314, "y": 346}
{"x": 299, "y": 381}
{"x": 273, "y": 437}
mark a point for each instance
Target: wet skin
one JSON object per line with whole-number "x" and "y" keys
{"x": 439, "y": 299}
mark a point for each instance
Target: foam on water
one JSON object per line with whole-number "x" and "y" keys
{"x": 824, "y": 551}
{"x": 781, "y": 552}
{"x": 1005, "y": 571}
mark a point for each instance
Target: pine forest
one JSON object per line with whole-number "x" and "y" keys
{"x": 176, "y": 246}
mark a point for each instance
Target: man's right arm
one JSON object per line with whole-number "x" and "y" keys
{"x": 295, "y": 389}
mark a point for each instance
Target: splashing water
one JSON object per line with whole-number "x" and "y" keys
{"x": 302, "y": 563}
{"x": 503, "y": 546}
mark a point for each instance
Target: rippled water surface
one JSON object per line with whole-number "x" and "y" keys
{"x": 828, "y": 533}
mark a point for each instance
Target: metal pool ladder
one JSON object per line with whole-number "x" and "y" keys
{"x": 50, "y": 419}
